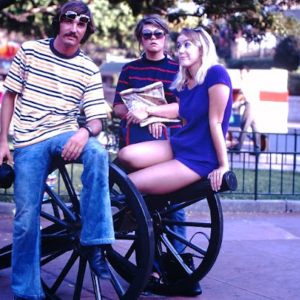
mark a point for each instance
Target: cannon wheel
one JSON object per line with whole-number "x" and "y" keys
{"x": 63, "y": 263}
{"x": 181, "y": 271}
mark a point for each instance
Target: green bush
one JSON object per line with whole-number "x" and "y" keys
{"x": 294, "y": 84}
{"x": 265, "y": 64}
{"x": 252, "y": 63}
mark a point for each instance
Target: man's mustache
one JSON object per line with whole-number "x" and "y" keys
{"x": 71, "y": 34}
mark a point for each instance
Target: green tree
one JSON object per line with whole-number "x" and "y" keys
{"x": 115, "y": 19}
{"x": 287, "y": 54}
{"x": 33, "y": 19}
{"x": 259, "y": 15}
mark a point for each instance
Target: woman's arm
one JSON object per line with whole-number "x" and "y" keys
{"x": 218, "y": 97}
{"x": 120, "y": 110}
{"x": 169, "y": 111}
{"x": 119, "y": 107}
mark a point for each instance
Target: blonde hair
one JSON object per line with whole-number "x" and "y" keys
{"x": 203, "y": 40}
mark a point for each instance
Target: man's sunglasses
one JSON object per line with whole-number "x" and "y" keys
{"x": 71, "y": 16}
{"x": 147, "y": 34}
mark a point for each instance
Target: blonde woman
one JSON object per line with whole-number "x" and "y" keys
{"x": 204, "y": 91}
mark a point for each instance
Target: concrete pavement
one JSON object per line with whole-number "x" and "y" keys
{"x": 228, "y": 205}
{"x": 259, "y": 259}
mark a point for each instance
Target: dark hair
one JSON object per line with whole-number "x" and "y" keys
{"x": 80, "y": 8}
{"x": 155, "y": 20}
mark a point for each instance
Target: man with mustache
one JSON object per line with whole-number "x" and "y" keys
{"x": 47, "y": 81}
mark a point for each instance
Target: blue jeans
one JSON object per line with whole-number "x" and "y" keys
{"x": 178, "y": 216}
{"x": 31, "y": 168}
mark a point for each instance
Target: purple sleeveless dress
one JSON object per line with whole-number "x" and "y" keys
{"x": 193, "y": 145}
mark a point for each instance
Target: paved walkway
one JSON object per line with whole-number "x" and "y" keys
{"x": 259, "y": 260}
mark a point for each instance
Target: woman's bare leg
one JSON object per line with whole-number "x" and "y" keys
{"x": 145, "y": 154}
{"x": 164, "y": 177}
{"x": 157, "y": 171}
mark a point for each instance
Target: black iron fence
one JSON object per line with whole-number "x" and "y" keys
{"x": 272, "y": 174}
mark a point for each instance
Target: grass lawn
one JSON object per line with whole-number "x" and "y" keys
{"x": 271, "y": 185}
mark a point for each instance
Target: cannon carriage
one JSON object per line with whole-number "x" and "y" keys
{"x": 143, "y": 232}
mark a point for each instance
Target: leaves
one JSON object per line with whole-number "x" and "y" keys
{"x": 287, "y": 54}
{"x": 116, "y": 19}
{"x": 29, "y": 18}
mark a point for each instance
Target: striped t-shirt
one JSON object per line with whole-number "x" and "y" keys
{"x": 50, "y": 88}
{"x": 142, "y": 72}
{"x": 137, "y": 74}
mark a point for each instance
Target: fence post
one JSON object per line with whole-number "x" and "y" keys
{"x": 256, "y": 176}
{"x": 295, "y": 149}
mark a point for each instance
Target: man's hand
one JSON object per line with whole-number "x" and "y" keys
{"x": 73, "y": 148}
{"x": 5, "y": 153}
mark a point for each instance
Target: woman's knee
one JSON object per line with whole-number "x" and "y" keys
{"x": 142, "y": 155}
{"x": 125, "y": 156}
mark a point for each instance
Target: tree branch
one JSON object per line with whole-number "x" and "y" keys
{"x": 163, "y": 12}
{"x": 33, "y": 11}
{"x": 6, "y": 3}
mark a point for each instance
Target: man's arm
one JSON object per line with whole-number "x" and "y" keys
{"x": 7, "y": 110}
{"x": 95, "y": 125}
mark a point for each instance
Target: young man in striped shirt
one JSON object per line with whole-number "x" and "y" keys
{"x": 47, "y": 81}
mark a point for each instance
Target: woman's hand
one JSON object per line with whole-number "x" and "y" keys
{"x": 136, "y": 116}
{"x": 216, "y": 177}
{"x": 156, "y": 129}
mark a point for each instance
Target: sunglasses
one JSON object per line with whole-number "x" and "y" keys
{"x": 197, "y": 29}
{"x": 147, "y": 34}
{"x": 71, "y": 16}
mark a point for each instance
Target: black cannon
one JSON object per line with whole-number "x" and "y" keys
{"x": 143, "y": 230}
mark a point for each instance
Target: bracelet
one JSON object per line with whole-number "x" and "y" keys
{"x": 89, "y": 129}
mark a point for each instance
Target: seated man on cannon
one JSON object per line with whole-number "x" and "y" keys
{"x": 46, "y": 83}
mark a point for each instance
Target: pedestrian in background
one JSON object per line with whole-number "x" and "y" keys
{"x": 249, "y": 99}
